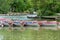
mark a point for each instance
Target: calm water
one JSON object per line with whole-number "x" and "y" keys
{"x": 1, "y": 37}
{"x": 24, "y": 17}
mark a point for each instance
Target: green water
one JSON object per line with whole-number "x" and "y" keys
{"x": 30, "y": 34}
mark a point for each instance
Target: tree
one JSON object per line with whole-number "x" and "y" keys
{"x": 5, "y": 6}
{"x": 49, "y": 7}
{"x": 30, "y": 5}
{"x": 20, "y": 5}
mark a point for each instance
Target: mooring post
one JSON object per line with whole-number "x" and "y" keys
{"x": 2, "y": 26}
{"x": 10, "y": 26}
{"x": 22, "y": 26}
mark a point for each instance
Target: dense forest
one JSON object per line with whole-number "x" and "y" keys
{"x": 45, "y": 7}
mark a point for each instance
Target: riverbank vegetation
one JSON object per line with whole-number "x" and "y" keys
{"x": 45, "y": 7}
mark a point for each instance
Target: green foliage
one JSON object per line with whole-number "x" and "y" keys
{"x": 49, "y": 7}
{"x": 43, "y": 7}
{"x": 5, "y": 6}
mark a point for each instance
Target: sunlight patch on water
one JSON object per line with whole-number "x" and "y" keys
{"x": 1, "y": 37}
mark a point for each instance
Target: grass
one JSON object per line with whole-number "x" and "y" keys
{"x": 30, "y": 35}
